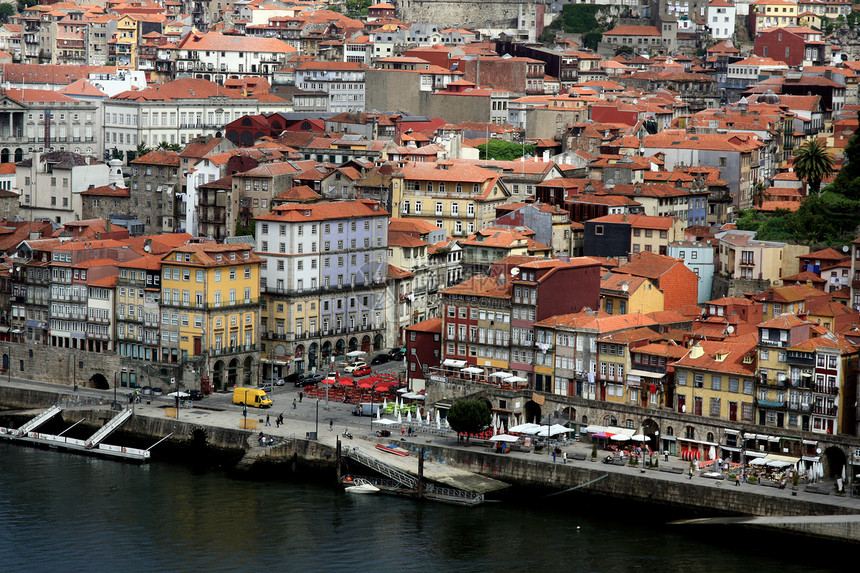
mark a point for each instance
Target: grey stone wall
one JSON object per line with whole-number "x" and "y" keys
{"x": 724, "y": 286}
{"x": 460, "y": 13}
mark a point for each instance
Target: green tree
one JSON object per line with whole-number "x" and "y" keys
{"x": 6, "y": 11}
{"x": 169, "y": 146}
{"x": 245, "y": 230}
{"x": 504, "y": 150}
{"x": 142, "y": 149}
{"x": 470, "y": 416}
{"x": 812, "y": 163}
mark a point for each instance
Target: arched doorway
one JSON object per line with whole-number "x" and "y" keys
{"x": 339, "y": 346}
{"x": 5, "y": 362}
{"x": 4, "y": 155}
{"x": 232, "y": 371}
{"x": 365, "y": 344}
{"x": 834, "y": 462}
{"x": 326, "y": 351}
{"x": 299, "y": 360}
{"x": 247, "y": 371}
{"x": 532, "y": 412}
{"x": 377, "y": 342}
{"x": 652, "y": 431}
{"x": 218, "y": 134}
{"x": 99, "y": 382}
{"x": 218, "y": 375}
{"x": 19, "y": 155}
{"x": 313, "y": 350}
{"x": 353, "y": 344}
{"x": 567, "y": 414}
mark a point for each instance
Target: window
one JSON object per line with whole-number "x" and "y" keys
{"x": 598, "y": 229}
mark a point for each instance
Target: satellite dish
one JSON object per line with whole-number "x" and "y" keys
{"x": 625, "y": 287}
{"x": 515, "y": 271}
{"x": 730, "y": 329}
{"x": 845, "y": 248}
{"x": 147, "y": 248}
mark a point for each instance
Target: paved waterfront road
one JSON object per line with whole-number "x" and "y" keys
{"x": 217, "y": 410}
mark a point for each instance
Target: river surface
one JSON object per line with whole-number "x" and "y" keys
{"x": 64, "y": 512}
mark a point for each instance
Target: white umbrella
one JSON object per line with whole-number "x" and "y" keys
{"x": 179, "y": 394}
{"x": 409, "y": 416}
{"x": 640, "y": 438}
{"x": 619, "y": 438}
{"x": 378, "y": 413}
{"x": 385, "y": 422}
{"x": 384, "y": 403}
{"x": 428, "y": 418}
{"x": 402, "y": 390}
{"x": 516, "y": 379}
{"x": 396, "y": 406}
{"x": 504, "y": 438}
{"x": 472, "y": 370}
{"x": 712, "y": 453}
{"x": 399, "y": 418}
{"x": 447, "y": 424}
{"x": 528, "y": 428}
{"x": 354, "y": 353}
{"x": 438, "y": 422}
{"x": 594, "y": 429}
{"x": 501, "y": 375}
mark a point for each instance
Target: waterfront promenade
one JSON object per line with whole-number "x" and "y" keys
{"x": 217, "y": 411}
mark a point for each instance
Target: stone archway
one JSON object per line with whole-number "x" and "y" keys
{"x": 313, "y": 351}
{"x": 99, "y": 382}
{"x": 532, "y": 412}
{"x": 247, "y": 371}
{"x": 19, "y": 155}
{"x": 834, "y": 462}
{"x": 218, "y": 375}
{"x": 326, "y": 351}
{"x": 232, "y": 371}
{"x": 377, "y": 342}
{"x": 353, "y": 344}
{"x": 4, "y": 155}
{"x": 567, "y": 414}
{"x": 365, "y": 344}
{"x": 339, "y": 346}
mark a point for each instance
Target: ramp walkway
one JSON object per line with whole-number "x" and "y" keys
{"x": 40, "y": 419}
{"x": 108, "y": 429}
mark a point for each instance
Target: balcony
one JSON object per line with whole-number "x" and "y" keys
{"x": 795, "y": 407}
{"x": 824, "y": 410}
{"x": 829, "y": 390}
{"x": 772, "y": 383}
{"x": 234, "y": 349}
{"x": 747, "y": 263}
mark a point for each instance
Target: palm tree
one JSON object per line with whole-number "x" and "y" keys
{"x": 812, "y": 163}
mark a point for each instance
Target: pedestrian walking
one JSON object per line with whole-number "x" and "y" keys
{"x": 268, "y": 423}
{"x": 553, "y": 456}
{"x": 737, "y": 479}
{"x": 665, "y": 455}
{"x": 301, "y": 395}
{"x": 331, "y": 424}
{"x": 691, "y": 472}
{"x": 294, "y": 403}
{"x": 564, "y": 457}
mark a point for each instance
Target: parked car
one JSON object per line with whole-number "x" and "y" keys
{"x": 195, "y": 395}
{"x": 355, "y": 365}
{"x": 156, "y": 391}
{"x": 292, "y": 378}
{"x": 397, "y": 354}
{"x": 380, "y": 359}
{"x": 310, "y": 379}
{"x": 279, "y": 381}
{"x": 362, "y": 371}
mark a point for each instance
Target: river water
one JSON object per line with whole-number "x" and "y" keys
{"x": 65, "y": 512}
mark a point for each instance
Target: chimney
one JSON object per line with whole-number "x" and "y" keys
{"x": 115, "y": 173}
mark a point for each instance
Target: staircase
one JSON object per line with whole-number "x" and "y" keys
{"x": 108, "y": 428}
{"x": 39, "y": 420}
{"x": 388, "y": 471}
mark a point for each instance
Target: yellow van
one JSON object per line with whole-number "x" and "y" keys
{"x": 252, "y": 397}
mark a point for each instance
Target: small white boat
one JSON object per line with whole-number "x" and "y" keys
{"x": 359, "y": 485}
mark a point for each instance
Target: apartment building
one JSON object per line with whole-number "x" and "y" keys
{"x": 323, "y": 279}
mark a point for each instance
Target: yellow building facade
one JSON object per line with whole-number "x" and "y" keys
{"x": 210, "y": 297}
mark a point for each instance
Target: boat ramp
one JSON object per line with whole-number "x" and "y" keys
{"x": 29, "y": 433}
